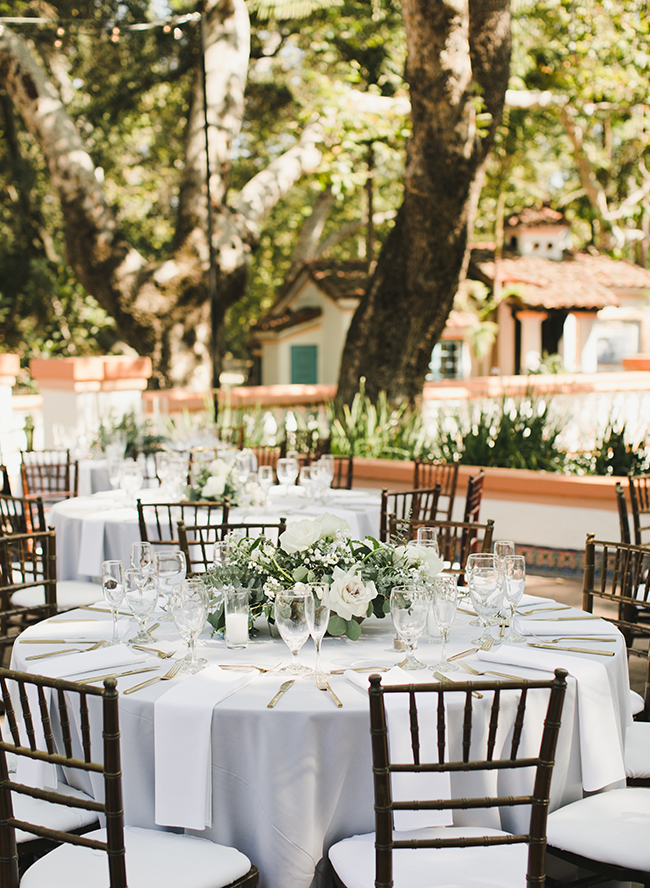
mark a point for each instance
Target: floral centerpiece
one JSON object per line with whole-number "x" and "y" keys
{"x": 359, "y": 574}
{"x": 216, "y": 481}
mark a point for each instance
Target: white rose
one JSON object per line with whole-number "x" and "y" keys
{"x": 430, "y": 561}
{"x": 219, "y": 468}
{"x": 214, "y": 487}
{"x": 300, "y": 535}
{"x": 348, "y": 596}
{"x": 330, "y": 524}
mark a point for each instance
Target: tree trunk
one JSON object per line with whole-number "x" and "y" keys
{"x": 457, "y": 52}
{"x": 162, "y": 309}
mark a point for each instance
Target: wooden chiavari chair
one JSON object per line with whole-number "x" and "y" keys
{"x": 428, "y": 473}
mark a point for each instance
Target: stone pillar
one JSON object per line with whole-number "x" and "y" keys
{"x": 79, "y": 393}
{"x": 531, "y": 338}
{"x": 9, "y": 369}
{"x": 506, "y": 339}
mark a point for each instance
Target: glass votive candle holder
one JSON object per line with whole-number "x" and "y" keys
{"x": 236, "y": 605}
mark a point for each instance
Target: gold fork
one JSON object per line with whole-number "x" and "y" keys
{"x": 487, "y": 644}
{"x": 473, "y": 671}
{"x": 158, "y": 653}
{"x": 93, "y": 647}
{"x": 171, "y": 673}
{"x": 323, "y": 685}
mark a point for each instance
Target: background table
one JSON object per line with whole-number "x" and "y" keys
{"x": 92, "y": 529}
{"x": 290, "y": 781}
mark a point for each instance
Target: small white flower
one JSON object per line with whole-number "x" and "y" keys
{"x": 332, "y": 524}
{"x": 430, "y": 563}
{"x": 300, "y": 535}
{"x": 214, "y": 487}
{"x": 348, "y": 596}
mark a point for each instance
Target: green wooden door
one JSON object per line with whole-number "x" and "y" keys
{"x": 304, "y": 364}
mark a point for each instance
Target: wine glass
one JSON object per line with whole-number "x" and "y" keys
{"x": 113, "y": 589}
{"x": 243, "y": 466}
{"x": 114, "y": 468}
{"x": 485, "y": 591}
{"x": 307, "y": 480}
{"x": 409, "y": 605}
{"x": 141, "y": 593}
{"x": 291, "y": 620}
{"x": 502, "y": 550}
{"x": 131, "y": 479}
{"x": 265, "y": 480}
{"x": 514, "y": 572}
{"x": 287, "y": 471}
{"x": 170, "y": 568}
{"x": 318, "y": 617}
{"x": 188, "y": 603}
{"x": 445, "y": 599}
{"x": 142, "y": 556}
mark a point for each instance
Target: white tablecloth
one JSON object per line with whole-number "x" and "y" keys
{"x": 290, "y": 781}
{"x": 91, "y": 529}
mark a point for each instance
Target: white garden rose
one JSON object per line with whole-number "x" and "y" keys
{"x": 218, "y": 468}
{"x": 214, "y": 487}
{"x": 331, "y": 524}
{"x": 300, "y": 535}
{"x": 425, "y": 555}
{"x": 348, "y": 596}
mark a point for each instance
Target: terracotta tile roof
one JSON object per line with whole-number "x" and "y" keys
{"x": 286, "y": 319}
{"x": 538, "y": 217}
{"x": 581, "y": 280}
{"x": 339, "y": 280}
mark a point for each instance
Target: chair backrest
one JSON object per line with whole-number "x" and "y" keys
{"x": 197, "y": 541}
{"x": 456, "y": 539}
{"x": 640, "y": 503}
{"x": 442, "y": 743}
{"x": 623, "y": 520}
{"x": 232, "y": 435}
{"x": 39, "y": 714}
{"x": 159, "y": 521}
{"x": 19, "y": 515}
{"x": 474, "y": 496}
{"x": 54, "y": 481}
{"x": 421, "y": 503}
{"x": 5, "y": 483}
{"x": 619, "y": 574}
{"x": 44, "y": 457}
{"x": 266, "y": 456}
{"x": 428, "y": 473}
{"x": 343, "y": 473}
{"x": 27, "y": 561}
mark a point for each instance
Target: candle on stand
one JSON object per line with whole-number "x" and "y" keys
{"x": 236, "y": 630}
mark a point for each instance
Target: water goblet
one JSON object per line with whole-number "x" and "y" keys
{"x": 485, "y": 591}
{"x": 307, "y": 480}
{"x": 188, "y": 605}
{"x": 243, "y": 466}
{"x": 142, "y": 556}
{"x": 445, "y": 599}
{"x": 409, "y": 606}
{"x": 114, "y": 468}
{"x": 265, "y": 480}
{"x": 514, "y": 572}
{"x": 170, "y": 568}
{"x": 131, "y": 480}
{"x": 318, "y": 617}
{"x": 291, "y": 620}
{"x": 141, "y": 594}
{"x": 428, "y": 536}
{"x": 287, "y": 471}
{"x": 113, "y": 590}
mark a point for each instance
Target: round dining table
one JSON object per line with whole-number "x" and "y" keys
{"x": 92, "y": 529}
{"x": 205, "y": 753}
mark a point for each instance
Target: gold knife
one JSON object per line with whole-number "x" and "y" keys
{"x": 332, "y": 694}
{"x": 463, "y": 654}
{"x": 556, "y": 647}
{"x": 57, "y": 640}
{"x": 117, "y": 674}
{"x": 54, "y": 653}
{"x": 283, "y": 689}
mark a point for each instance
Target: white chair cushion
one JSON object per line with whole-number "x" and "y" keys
{"x": 610, "y": 827}
{"x": 154, "y": 859}
{"x": 504, "y": 865}
{"x": 636, "y": 702}
{"x": 637, "y": 750}
{"x": 69, "y": 594}
{"x": 50, "y": 815}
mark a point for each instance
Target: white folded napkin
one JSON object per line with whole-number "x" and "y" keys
{"x": 42, "y": 774}
{"x": 601, "y": 747}
{"x": 541, "y": 626}
{"x": 412, "y": 786}
{"x": 78, "y": 630}
{"x": 183, "y": 746}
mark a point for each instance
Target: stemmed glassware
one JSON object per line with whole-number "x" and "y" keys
{"x": 514, "y": 573}
{"x": 291, "y": 620}
{"x": 113, "y": 589}
{"x": 141, "y": 593}
{"x": 243, "y": 467}
{"x": 307, "y": 480}
{"x": 428, "y": 536}
{"x": 265, "y": 480}
{"x": 114, "y": 468}
{"x": 188, "y": 604}
{"x": 170, "y": 568}
{"x": 131, "y": 480}
{"x": 445, "y": 599}
{"x": 485, "y": 591}
{"x": 409, "y": 605}
{"x": 318, "y": 617}
{"x": 142, "y": 556}
{"x": 287, "y": 471}
{"x": 503, "y": 549}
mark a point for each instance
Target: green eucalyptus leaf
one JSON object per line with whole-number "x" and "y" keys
{"x": 337, "y": 626}
{"x": 353, "y": 630}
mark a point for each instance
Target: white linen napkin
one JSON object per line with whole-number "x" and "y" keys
{"x": 78, "y": 630}
{"x": 541, "y": 626}
{"x": 412, "y": 786}
{"x": 41, "y": 774}
{"x": 600, "y": 741}
{"x": 183, "y": 746}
